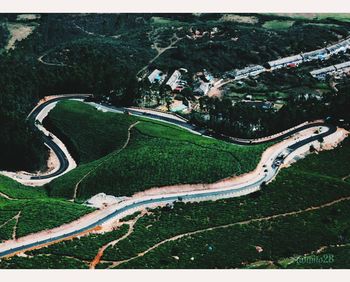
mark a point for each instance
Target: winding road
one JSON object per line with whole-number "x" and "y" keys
{"x": 267, "y": 170}
{"x": 48, "y": 139}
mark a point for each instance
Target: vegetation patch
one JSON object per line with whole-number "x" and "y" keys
{"x": 84, "y": 248}
{"x": 34, "y": 214}
{"x": 296, "y": 189}
{"x": 42, "y": 262}
{"x": 15, "y": 190}
{"x": 6, "y": 229}
{"x": 32, "y": 205}
{"x": 91, "y": 133}
{"x": 167, "y": 155}
{"x": 238, "y": 245}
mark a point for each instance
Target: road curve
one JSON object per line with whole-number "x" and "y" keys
{"x": 65, "y": 162}
{"x": 99, "y": 217}
{"x": 62, "y": 157}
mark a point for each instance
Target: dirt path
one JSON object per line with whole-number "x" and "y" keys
{"x": 173, "y": 41}
{"x": 7, "y": 197}
{"x": 107, "y": 159}
{"x": 320, "y": 249}
{"x": 117, "y": 36}
{"x": 41, "y": 60}
{"x": 16, "y": 217}
{"x": 88, "y": 32}
{"x": 188, "y": 234}
{"x": 345, "y": 177}
{"x": 333, "y": 85}
{"x": 100, "y": 252}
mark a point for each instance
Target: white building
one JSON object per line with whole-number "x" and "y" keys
{"x": 343, "y": 66}
{"x": 156, "y": 76}
{"x": 284, "y": 62}
{"x": 252, "y": 70}
{"x": 322, "y": 73}
{"x": 320, "y": 54}
{"x": 173, "y": 80}
{"x": 339, "y": 47}
{"x": 203, "y": 88}
{"x": 336, "y": 69}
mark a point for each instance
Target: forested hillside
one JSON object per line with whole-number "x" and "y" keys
{"x": 24, "y": 80}
{"x": 102, "y": 53}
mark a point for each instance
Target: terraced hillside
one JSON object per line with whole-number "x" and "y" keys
{"x": 299, "y": 213}
{"x": 25, "y": 210}
{"x": 165, "y": 154}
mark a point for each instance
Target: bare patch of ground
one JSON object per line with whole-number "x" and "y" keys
{"x": 239, "y": 19}
{"x": 214, "y": 92}
{"x": 18, "y": 32}
{"x": 28, "y": 17}
{"x": 101, "y": 200}
{"x": 329, "y": 143}
{"x": 52, "y": 162}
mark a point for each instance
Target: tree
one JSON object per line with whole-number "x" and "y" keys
{"x": 312, "y": 148}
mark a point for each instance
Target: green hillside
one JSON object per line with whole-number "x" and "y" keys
{"x": 165, "y": 154}
{"x": 25, "y": 210}
{"x": 310, "y": 211}
{"x": 70, "y": 119}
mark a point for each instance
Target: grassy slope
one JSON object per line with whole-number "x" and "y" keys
{"x": 164, "y": 154}
{"x": 318, "y": 16}
{"x": 296, "y": 188}
{"x": 234, "y": 246}
{"x": 43, "y": 262}
{"x": 84, "y": 248}
{"x": 83, "y": 131}
{"x": 333, "y": 257}
{"x": 16, "y": 190}
{"x": 38, "y": 212}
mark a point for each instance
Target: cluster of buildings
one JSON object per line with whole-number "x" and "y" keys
{"x": 335, "y": 70}
{"x": 291, "y": 61}
{"x": 195, "y": 34}
{"x": 204, "y": 82}
{"x": 175, "y": 82}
